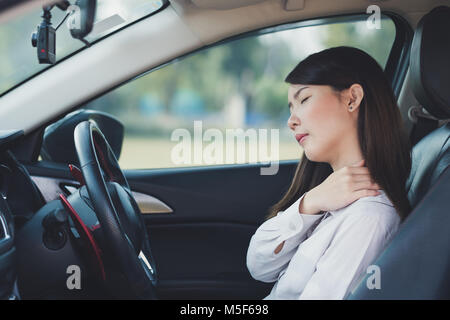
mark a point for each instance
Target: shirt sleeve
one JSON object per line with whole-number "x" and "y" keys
{"x": 290, "y": 226}
{"x": 359, "y": 240}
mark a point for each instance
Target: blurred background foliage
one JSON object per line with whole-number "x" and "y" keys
{"x": 238, "y": 84}
{"x": 253, "y": 69}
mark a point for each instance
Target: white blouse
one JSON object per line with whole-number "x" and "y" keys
{"x": 324, "y": 256}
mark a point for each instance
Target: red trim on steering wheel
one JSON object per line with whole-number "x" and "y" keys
{"x": 83, "y": 230}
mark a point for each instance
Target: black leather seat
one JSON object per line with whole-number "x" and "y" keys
{"x": 416, "y": 263}
{"x": 430, "y": 157}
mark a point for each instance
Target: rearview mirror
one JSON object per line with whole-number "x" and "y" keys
{"x": 82, "y": 18}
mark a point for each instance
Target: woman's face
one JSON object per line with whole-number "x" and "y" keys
{"x": 324, "y": 116}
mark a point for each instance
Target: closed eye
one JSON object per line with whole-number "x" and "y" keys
{"x": 305, "y": 99}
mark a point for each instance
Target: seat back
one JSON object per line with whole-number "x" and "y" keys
{"x": 430, "y": 157}
{"x": 416, "y": 263}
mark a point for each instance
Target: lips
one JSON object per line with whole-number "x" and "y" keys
{"x": 300, "y": 136}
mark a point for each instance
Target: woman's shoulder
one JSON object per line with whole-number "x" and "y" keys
{"x": 376, "y": 208}
{"x": 381, "y": 198}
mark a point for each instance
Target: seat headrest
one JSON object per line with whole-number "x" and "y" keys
{"x": 430, "y": 62}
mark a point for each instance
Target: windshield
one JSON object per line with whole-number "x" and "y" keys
{"x": 18, "y": 58}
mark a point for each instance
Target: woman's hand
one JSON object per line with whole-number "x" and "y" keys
{"x": 339, "y": 189}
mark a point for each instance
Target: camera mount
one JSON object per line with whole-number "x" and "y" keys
{"x": 44, "y": 38}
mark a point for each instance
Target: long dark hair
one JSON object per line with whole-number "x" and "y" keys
{"x": 384, "y": 142}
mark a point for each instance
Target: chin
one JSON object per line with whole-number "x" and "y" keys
{"x": 313, "y": 155}
{"x": 309, "y": 155}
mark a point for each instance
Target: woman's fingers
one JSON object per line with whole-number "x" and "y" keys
{"x": 367, "y": 184}
{"x": 359, "y": 163}
{"x": 357, "y": 170}
{"x": 360, "y": 178}
{"x": 357, "y": 178}
{"x": 354, "y": 182}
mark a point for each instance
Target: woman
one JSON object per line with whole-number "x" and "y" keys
{"x": 348, "y": 196}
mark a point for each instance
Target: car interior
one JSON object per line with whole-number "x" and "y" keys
{"x": 183, "y": 232}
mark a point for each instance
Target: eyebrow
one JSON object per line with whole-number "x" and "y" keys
{"x": 296, "y": 95}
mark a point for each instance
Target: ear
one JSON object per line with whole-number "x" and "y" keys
{"x": 354, "y": 96}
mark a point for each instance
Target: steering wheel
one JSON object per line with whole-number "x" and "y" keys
{"x": 126, "y": 246}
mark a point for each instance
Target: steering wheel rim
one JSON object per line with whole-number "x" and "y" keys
{"x": 131, "y": 252}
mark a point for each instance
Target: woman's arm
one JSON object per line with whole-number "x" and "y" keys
{"x": 276, "y": 240}
{"x": 274, "y": 243}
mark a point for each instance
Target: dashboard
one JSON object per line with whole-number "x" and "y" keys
{"x": 38, "y": 240}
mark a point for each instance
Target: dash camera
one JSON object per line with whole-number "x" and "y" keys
{"x": 44, "y": 39}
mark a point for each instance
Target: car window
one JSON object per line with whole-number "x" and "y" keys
{"x": 181, "y": 114}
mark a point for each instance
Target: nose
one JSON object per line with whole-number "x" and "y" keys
{"x": 293, "y": 122}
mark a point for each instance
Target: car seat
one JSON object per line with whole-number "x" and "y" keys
{"x": 416, "y": 262}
